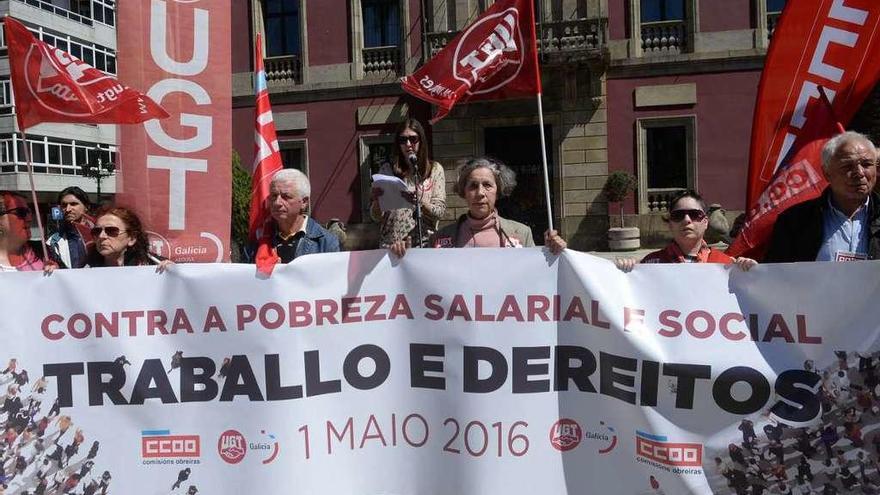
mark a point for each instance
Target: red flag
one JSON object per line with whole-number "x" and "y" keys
{"x": 798, "y": 179}
{"x": 53, "y": 86}
{"x": 829, "y": 43}
{"x": 493, "y": 58}
{"x": 267, "y": 158}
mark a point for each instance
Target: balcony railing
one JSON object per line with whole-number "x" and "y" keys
{"x": 283, "y": 71}
{"x": 576, "y": 37}
{"x": 382, "y": 61}
{"x": 664, "y": 37}
{"x": 772, "y": 21}
{"x": 659, "y": 199}
{"x": 81, "y": 17}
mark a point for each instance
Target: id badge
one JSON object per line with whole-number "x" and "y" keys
{"x": 849, "y": 256}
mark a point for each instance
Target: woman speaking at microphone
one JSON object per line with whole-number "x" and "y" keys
{"x": 481, "y": 183}
{"x": 427, "y": 194}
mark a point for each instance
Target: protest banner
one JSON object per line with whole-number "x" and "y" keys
{"x": 177, "y": 173}
{"x": 507, "y": 371}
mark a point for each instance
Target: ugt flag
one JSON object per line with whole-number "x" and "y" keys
{"x": 827, "y": 43}
{"x": 267, "y": 158}
{"x": 493, "y": 58}
{"x": 799, "y": 178}
{"x": 53, "y": 86}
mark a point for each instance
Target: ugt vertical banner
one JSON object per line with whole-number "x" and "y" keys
{"x": 176, "y": 173}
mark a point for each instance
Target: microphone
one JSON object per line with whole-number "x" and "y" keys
{"x": 412, "y": 158}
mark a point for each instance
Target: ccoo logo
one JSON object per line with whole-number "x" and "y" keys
{"x": 232, "y": 446}
{"x": 490, "y": 52}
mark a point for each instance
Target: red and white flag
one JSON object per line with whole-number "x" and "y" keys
{"x": 817, "y": 43}
{"x": 799, "y": 178}
{"x": 53, "y": 86}
{"x": 493, "y": 58}
{"x": 267, "y": 158}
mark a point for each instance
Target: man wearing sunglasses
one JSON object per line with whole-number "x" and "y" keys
{"x": 843, "y": 224}
{"x": 70, "y": 246}
{"x": 687, "y": 222}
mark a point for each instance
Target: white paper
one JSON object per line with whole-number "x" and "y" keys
{"x": 391, "y": 187}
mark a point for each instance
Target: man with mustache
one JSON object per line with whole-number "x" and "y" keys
{"x": 843, "y": 224}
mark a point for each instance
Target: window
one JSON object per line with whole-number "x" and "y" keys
{"x": 374, "y": 151}
{"x": 53, "y": 155}
{"x": 775, "y": 5}
{"x": 6, "y": 103}
{"x": 98, "y": 56}
{"x": 667, "y": 159}
{"x": 294, "y": 154}
{"x": 282, "y": 20}
{"x": 381, "y": 23}
{"x": 662, "y": 10}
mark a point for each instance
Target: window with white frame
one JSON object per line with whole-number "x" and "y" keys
{"x": 50, "y": 155}
{"x": 666, "y": 158}
{"x": 98, "y": 56}
{"x": 104, "y": 11}
{"x": 7, "y": 105}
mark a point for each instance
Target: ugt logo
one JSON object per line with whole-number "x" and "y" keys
{"x": 232, "y": 446}
{"x": 52, "y": 77}
{"x": 490, "y": 51}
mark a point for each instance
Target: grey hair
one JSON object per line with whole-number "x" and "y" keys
{"x": 505, "y": 178}
{"x": 834, "y": 144}
{"x": 299, "y": 179}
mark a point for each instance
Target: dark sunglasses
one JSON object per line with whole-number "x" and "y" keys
{"x": 21, "y": 212}
{"x": 111, "y": 231}
{"x": 408, "y": 139}
{"x": 695, "y": 215}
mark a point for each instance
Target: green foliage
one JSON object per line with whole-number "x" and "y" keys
{"x": 241, "y": 200}
{"x": 618, "y": 186}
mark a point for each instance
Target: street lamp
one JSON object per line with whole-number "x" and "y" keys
{"x": 95, "y": 168}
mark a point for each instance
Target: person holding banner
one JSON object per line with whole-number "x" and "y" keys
{"x": 481, "y": 182}
{"x": 410, "y": 163}
{"x": 292, "y": 232}
{"x": 121, "y": 241}
{"x": 843, "y": 224}
{"x": 687, "y": 223}
{"x": 15, "y": 221}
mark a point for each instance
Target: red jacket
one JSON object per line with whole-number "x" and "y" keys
{"x": 673, "y": 254}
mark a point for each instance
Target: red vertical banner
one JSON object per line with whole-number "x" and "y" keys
{"x": 176, "y": 173}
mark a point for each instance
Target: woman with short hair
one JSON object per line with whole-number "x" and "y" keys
{"x": 481, "y": 183}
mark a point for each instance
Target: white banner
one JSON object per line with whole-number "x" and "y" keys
{"x": 450, "y": 371}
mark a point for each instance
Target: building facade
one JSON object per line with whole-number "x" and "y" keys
{"x": 663, "y": 89}
{"x": 60, "y": 153}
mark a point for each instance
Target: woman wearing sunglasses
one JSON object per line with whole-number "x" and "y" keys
{"x": 411, "y": 154}
{"x": 120, "y": 240}
{"x": 687, "y": 223}
{"x": 15, "y": 223}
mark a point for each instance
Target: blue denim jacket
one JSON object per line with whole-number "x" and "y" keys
{"x": 317, "y": 240}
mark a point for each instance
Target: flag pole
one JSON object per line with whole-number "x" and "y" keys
{"x": 30, "y": 169}
{"x": 544, "y": 162}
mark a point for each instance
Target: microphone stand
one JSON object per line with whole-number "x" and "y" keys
{"x": 413, "y": 161}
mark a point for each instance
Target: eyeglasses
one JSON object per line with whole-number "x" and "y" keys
{"x": 695, "y": 215}
{"x": 110, "y": 230}
{"x": 408, "y": 139}
{"x": 21, "y": 212}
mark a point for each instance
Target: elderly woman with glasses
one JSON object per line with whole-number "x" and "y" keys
{"x": 15, "y": 222}
{"x": 120, "y": 240}
{"x": 687, "y": 223}
{"x": 410, "y": 157}
{"x": 481, "y": 183}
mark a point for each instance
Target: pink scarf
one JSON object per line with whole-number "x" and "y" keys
{"x": 479, "y": 233}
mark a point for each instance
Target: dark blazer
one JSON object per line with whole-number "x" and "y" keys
{"x": 797, "y": 234}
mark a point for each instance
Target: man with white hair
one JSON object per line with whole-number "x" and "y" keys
{"x": 843, "y": 224}
{"x": 293, "y": 233}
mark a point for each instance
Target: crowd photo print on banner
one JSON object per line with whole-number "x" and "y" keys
{"x": 583, "y": 380}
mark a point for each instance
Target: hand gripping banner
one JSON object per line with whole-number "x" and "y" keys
{"x": 53, "y": 86}
{"x": 493, "y": 58}
{"x": 506, "y": 372}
